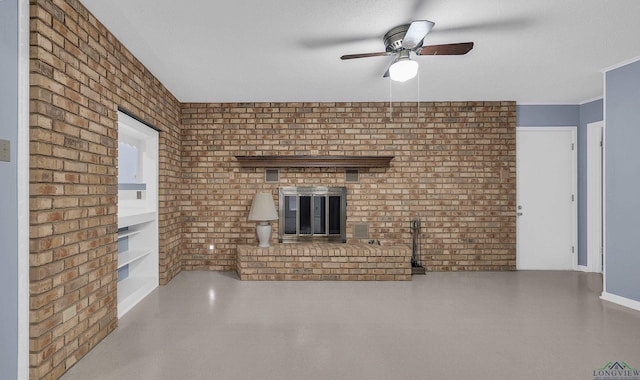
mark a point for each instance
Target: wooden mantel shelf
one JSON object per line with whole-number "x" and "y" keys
{"x": 314, "y": 161}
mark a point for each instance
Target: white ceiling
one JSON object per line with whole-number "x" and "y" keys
{"x": 535, "y": 52}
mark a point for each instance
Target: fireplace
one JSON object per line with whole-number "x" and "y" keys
{"x": 315, "y": 213}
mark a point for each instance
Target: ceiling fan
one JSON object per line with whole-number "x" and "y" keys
{"x": 404, "y": 39}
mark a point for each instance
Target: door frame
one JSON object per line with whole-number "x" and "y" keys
{"x": 574, "y": 185}
{"x": 22, "y": 153}
{"x": 595, "y": 200}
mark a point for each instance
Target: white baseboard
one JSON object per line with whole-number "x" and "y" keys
{"x": 626, "y": 302}
{"x": 583, "y": 268}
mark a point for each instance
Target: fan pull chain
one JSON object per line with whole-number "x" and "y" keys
{"x": 418, "y": 106}
{"x": 390, "y": 101}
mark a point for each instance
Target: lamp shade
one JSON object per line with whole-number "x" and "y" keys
{"x": 263, "y": 209}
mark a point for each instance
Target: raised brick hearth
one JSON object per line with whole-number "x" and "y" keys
{"x": 324, "y": 261}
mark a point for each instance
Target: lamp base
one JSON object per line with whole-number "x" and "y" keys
{"x": 263, "y": 230}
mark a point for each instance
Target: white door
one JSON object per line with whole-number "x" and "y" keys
{"x": 547, "y": 211}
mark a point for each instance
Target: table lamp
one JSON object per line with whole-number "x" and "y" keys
{"x": 263, "y": 210}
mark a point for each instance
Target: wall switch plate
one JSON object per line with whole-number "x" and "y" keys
{"x": 5, "y": 152}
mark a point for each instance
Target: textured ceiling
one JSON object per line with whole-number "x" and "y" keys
{"x": 545, "y": 51}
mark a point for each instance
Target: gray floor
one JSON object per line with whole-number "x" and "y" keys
{"x": 510, "y": 325}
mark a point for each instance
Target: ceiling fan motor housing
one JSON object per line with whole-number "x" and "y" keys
{"x": 393, "y": 38}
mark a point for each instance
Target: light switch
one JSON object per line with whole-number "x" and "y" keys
{"x": 5, "y": 153}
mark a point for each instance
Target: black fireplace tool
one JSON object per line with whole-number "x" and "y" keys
{"x": 416, "y": 268}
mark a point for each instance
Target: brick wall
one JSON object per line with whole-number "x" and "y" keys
{"x": 454, "y": 169}
{"x": 80, "y": 74}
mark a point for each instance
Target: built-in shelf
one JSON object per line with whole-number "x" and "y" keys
{"x": 132, "y": 218}
{"x": 138, "y": 249}
{"x": 128, "y": 257}
{"x": 314, "y": 161}
{"x": 127, "y": 233}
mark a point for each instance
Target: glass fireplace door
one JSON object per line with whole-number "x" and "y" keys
{"x": 319, "y": 215}
{"x": 312, "y": 213}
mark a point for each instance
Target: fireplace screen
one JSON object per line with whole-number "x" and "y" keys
{"x": 313, "y": 213}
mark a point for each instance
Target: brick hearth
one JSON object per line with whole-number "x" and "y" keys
{"x": 324, "y": 261}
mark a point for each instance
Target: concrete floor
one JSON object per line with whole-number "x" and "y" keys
{"x": 509, "y": 325}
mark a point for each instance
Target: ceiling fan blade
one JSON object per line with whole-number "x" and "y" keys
{"x": 366, "y": 55}
{"x": 503, "y": 26}
{"x": 446, "y": 49}
{"x": 416, "y": 33}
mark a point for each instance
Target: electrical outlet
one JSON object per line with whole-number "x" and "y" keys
{"x": 5, "y": 152}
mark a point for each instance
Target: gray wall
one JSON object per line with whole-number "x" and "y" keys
{"x": 622, "y": 191}
{"x": 591, "y": 112}
{"x": 9, "y": 191}
{"x": 548, "y": 115}
{"x": 562, "y": 116}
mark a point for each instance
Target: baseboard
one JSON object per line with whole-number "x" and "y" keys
{"x": 623, "y": 301}
{"x": 583, "y": 268}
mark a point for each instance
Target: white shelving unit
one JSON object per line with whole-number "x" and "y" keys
{"x": 137, "y": 212}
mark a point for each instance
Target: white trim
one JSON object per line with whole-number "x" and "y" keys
{"x": 594, "y": 196}
{"x": 604, "y": 186}
{"x": 623, "y": 301}
{"x": 574, "y": 157}
{"x": 23, "y": 189}
{"x": 583, "y": 268}
{"x": 574, "y": 179}
{"x": 549, "y": 128}
{"x": 580, "y": 103}
{"x": 546, "y": 104}
{"x": 621, "y": 64}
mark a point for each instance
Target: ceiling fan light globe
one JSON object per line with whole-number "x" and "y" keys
{"x": 403, "y": 70}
